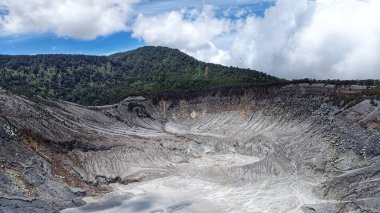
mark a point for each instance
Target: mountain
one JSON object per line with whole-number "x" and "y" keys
{"x": 288, "y": 150}
{"x": 229, "y": 139}
{"x": 96, "y": 80}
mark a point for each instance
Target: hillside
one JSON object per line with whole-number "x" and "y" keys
{"x": 290, "y": 149}
{"x": 96, "y": 80}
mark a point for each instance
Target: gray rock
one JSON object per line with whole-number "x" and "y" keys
{"x": 57, "y": 152}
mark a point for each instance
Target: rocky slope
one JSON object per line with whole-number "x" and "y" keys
{"x": 283, "y": 149}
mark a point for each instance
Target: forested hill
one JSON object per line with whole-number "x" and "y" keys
{"x": 96, "y": 80}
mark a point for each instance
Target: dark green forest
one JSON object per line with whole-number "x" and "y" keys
{"x": 96, "y": 80}
{"x": 147, "y": 71}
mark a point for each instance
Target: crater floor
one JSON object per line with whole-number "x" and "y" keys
{"x": 279, "y": 151}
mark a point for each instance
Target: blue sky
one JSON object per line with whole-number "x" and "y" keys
{"x": 286, "y": 38}
{"x": 50, "y": 43}
{"x": 154, "y": 7}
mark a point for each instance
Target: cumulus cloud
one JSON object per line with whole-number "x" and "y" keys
{"x": 193, "y": 31}
{"x": 295, "y": 39}
{"x": 81, "y": 19}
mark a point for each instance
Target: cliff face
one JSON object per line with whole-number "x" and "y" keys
{"x": 286, "y": 149}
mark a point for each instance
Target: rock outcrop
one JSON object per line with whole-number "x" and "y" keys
{"x": 53, "y": 153}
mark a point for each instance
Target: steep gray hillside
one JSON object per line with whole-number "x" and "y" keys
{"x": 283, "y": 149}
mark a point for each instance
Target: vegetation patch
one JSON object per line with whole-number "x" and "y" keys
{"x": 99, "y": 80}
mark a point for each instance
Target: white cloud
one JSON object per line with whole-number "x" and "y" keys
{"x": 192, "y": 31}
{"x": 295, "y": 39}
{"x": 321, "y": 39}
{"x": 81, "y": 19}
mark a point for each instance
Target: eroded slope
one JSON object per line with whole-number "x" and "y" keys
{"x": 285, "y": 149}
